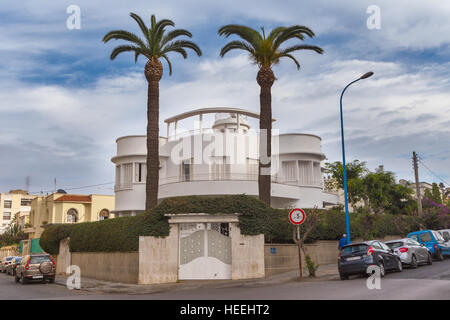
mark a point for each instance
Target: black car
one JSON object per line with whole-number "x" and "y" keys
{"x": 355, "y": 258}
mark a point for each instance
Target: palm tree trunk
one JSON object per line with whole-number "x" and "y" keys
{"x": 153, "y": 73}
{"x": 265, "y": 80}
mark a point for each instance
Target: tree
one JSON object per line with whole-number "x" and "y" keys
{"x": 442, "y": 189}
{"x": 156, "y": 44}
{"x": 436, "y": 193}
{"x": 266, "y": 52}
{"x": 314, "y": 219}
{"x": 355, "y": 171}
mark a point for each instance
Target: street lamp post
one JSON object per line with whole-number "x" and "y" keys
{"x": 347, "y": 220}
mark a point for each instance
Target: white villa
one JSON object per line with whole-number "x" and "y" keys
{"x": 221, "y": 160}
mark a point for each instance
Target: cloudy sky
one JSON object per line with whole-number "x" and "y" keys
{"x": 63, "y": 102}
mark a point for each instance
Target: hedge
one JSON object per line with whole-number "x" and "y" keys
{"x": 122, "y": 234}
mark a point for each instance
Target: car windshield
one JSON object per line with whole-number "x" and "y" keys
{"x": 356, "y": 248}
{"x": 394, "y": 245}
{"x": 9, "y": 258}
{"x": 18, "y": 260}
{"x": 438, "y": 236}
{"x": 446, "y": 235}
{"x": 39, "y": 259}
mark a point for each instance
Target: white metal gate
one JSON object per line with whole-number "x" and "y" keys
{"x": 205, "y": 251}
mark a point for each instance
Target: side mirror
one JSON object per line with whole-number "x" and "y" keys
{"x": 392, "y": 250}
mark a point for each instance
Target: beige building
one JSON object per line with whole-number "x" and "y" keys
{"x": 67, "y": 208}
{"x": 422, "y": 187}
{"x": 15, "y": 202}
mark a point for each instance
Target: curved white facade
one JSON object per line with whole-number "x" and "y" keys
{"x": 222, "y": 160}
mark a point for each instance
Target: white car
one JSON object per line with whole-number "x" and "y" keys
{"x": 445, "y": 233}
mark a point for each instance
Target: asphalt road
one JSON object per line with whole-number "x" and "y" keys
{"x": 425, "y": 282}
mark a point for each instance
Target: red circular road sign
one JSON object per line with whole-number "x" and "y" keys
{"x": 297, "y": 216}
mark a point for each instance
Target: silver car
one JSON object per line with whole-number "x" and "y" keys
{"x": 410, "y": 252}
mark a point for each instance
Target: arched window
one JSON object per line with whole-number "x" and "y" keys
{"x": 104, "y": 214}
{"x": 72, "y": 216}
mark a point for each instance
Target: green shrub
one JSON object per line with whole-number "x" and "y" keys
{"x": 311, "y": 265}
{"x": 52, "y": 235}
{"x": 122, "y": 234}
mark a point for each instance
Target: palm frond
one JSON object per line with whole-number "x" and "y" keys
{"x": 173, "y": 34}
{"x": 181, "y": 44}
{"x": 302, "y": 47}
{"x": 275, "y": 32}
{"x": 127, "y": 48}
{"x": 287, "y": 55}
{"x": 233, "y": 45}
{"x": 124, "y": 35}
{"x": 292, "y": 32}
{"x": 248, "y": 34}
{"x": 168, "y": 63}
{"x": 141, "y": 24}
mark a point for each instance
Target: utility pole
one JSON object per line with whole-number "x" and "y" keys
{"x": 55, "y": 185}
{"x": 416, "y": 174}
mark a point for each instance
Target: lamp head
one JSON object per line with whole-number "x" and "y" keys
{"x": 366, "y": 75}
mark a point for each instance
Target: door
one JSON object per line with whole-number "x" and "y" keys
{"x": 205, "y": 251}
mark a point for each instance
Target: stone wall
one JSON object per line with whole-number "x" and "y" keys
{"x": 279, "y": 258}
{"x": 9, "y": 251}
{"x": 247, "y": 255}
{"x": 158, "y": 258}
{"x": 64, "y": 258}
{"x": 110, "y": 266}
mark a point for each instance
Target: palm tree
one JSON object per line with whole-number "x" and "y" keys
{"x": 266, "y": 52}
{"x": 155, "y": 44}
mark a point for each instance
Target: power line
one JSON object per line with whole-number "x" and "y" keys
{"x": 431, "y": 171}
{"x": 75, "y": 188}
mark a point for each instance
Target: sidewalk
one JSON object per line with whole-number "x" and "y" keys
{"x": 324, "y": 273}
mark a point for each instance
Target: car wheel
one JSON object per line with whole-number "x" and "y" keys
{"x": 430, "y": 260}
{"x": 23, "y": 280}
{"x": 413, "y": 262}
{"x": 400, "y": 266}
{"x": 382, "y": 270}
{"x": 343, "y": 276}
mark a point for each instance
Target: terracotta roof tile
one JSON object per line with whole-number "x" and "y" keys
{"x": 74, "y": 198}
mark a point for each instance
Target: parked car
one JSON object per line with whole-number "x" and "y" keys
{"x": 36, "y": 267}
{"x": 5, "y": 262}
{"x": 433, "y": 241}
{"x": 410, "y": 252}
{"x": 445, "y": 234}
{"x": 355, "y": 258}
{"x": 11, "y": 269}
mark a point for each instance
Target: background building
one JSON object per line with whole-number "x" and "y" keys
{"x": 189, "y": 165}
{"x": 67, "y": 208}
{"x": 15, "y": 202}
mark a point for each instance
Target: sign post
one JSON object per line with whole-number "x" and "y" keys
{"x": 297, "y": 217}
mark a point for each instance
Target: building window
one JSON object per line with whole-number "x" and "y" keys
{"x": 6, "y": 215}
{"x": 219, "y": 168}
{"x": 186, "y": 170}
{"x": 117, "y": 175}
{"x": 72, "y": 216}
{"x": 25, "y": 202}
{"x": 7, "y": 204}
{"x": 104, "y": 214}
{"x": 252, "y": 168}
{"x": 140, "y": 171}
{"x": 289, "y": 171}
{"x": 127, "y": 174}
